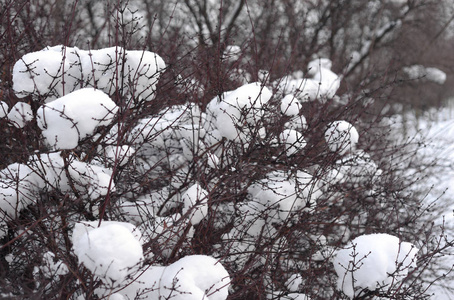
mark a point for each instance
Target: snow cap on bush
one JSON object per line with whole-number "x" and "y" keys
{"x": 3, "y": 109}
{"x": 111, "y": 251}
{"x": 20, "y": 183}
{"x": 372, "y": 262}
{"x": 322, "y": 85}
{"x": 20, "y": 114}
{"x": 341, "y": 137}
{"x": 59, "y": 70}
{"x": 290, "y": 105}
{"x": 195, "y": 200}
{"x": 292, "y": 140}
{"x": 193, "y": 277}
{"x": 238, "y": 108}
{"x": 284, "y": 193}
{"x": 71, "y": 118}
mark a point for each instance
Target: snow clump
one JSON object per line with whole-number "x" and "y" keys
{"x": 56, "y": 71}
{"x": 193, "y": 277}
{"x": 371, "y": 262}
{"x": 429, "y": 73}
{"x": 292, "y": 140}
{"x": 71, "y": 118}
{"x": 236, "y": 110}
{"x": 50, "y": 267}
{"x": 20, "y": 114}
{"x": 195, "y": 201}
{"x": 110, "y": 251}
{"x": 20, "y": 183}
{"x": 321, "y": 83}
{"x": 290, "y": 106}
{"x": 341, "y": 137}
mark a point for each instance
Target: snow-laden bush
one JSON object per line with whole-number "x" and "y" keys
{"x": 183, "y": 161}
{"x": 215, "y": 175}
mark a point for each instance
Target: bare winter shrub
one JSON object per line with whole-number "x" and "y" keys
{"x": 192, "y": 150}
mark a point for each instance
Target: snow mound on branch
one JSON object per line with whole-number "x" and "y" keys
{"x": 59, "y": 70}
{"x": 355, "y": 168}
{"x": 232, "y": 53}
{"x": 50, "y": 267}
{"x": 111, "y": 251}
{"x": 341, "y": 137}
{"x": 71, "y": 118}
{"x": 290, "y": 106}
{"x": 429, "y": 73}
{"x": 20, "y": 114}
{"x": 373, "y": 262}
{"x": 237, "y": 109}
{"x": 201, "y": 276}
{"x": 20, "y": 183}
{"x": 3, "y": 109}
{"x": 292, "y": 140}
{"x": 192, "y": 277}
{"x": 195, "y": 201}
{"x": 170, "y": 139}
{"x": 281, "y": 193}
{"x": 294, "y": 282}
{"x": 322, "y": 83}
{"x": 118, "y": 154}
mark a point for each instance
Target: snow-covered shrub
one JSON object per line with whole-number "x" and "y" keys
{"x": 225, "y": 172}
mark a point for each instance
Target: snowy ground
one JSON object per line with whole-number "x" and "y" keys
{"x": 437, "y": 128}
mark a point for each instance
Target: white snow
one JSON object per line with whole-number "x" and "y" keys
{"x": 243, "y": 105}
{"x": 428, "y": 73}
{"x": 111, "y": 251}
{"x": 341, "y": 137}
{"x": 321, "y": 83}
{"x": 193, "y": 277}
{"x": 58, "y": 70}
{"x": 71, "y": 118}
{"x": 20, "y": 114}
{"x": 213, "y": 160}
{"x": 292, "y": 140}
{"x": 3, "y": 109}
{"x": 290, "y": 106}
{"x": 20, "y": 183}
{"x": 118, "y": 154}
{"x": 285, "y": 194}
{"x": 436, "y": 75}
{"x": 232, "y": 53}
{"x": 199, "y": 276}
{"x": 294, "y": 282}
{"x": 195, "y": 201}
{"x": 373, "y": 261}
{"x": 51, "y": 268}
{"x": 356, "y": 167}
